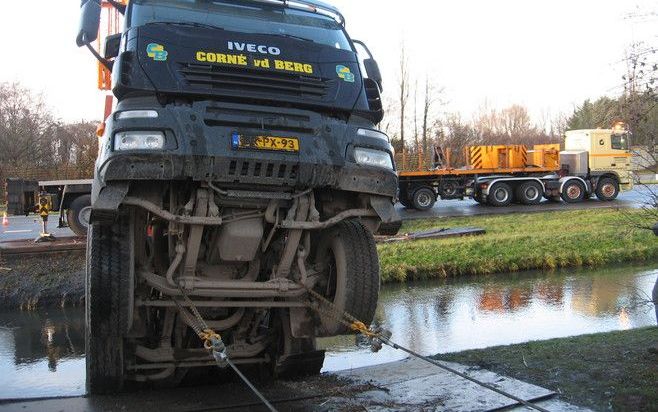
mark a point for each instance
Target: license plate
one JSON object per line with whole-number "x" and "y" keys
{"x": 279, "y": 144}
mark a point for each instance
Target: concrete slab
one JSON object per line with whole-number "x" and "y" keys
{"x": 408, "y": 385}
{"x": 413, "y": 384}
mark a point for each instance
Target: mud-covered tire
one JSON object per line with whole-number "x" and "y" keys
{"x": 349, "y": 254}
{"x": 530, "y": 193}
{"x": 500, "y": 195}
{"x": 106, "y": 298}
{"x": 423, "y": 198}
{"x": 573, "y": 191}
{"x": 78, "y": 215}
{"x": 607, "y": 189}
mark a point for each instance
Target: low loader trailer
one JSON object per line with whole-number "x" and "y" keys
{"x": 594, "y": 162}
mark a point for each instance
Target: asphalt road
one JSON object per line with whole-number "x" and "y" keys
{"x": 636, "y": 198}
{"x": 21, "y": 227}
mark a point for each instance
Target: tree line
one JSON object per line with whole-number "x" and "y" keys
{"x": 36, "y": 145}
{"x": 417, "y": 118}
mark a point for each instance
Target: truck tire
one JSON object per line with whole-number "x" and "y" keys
{"x": 530, "y": 193}
{"x": 349, "y": 255}
{"x": 607, "y": 189}
{"x": 78, "y": 215}
{"x": 423, "y": 198}
{"x": 500, "y": 195}
{"x": 573, "y": 191}
{"x": 106, "y": 299}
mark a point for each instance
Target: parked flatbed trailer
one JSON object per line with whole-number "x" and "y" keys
{"x": 71, "y": 198}
{"x": 595, "y": 162}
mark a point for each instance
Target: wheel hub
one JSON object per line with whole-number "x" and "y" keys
{"x": 573, "y": 192}
{"x": 608, "y": 190}
{"x": 501, "y": 195}
{"x": 531, "y": 193}
{"x": 85, "y": 216}
{"x": 424, "y": 200}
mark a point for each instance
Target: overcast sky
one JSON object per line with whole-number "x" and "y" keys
{"x": 547, "y": 55}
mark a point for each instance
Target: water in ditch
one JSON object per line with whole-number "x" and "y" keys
{"x": 42, "y": 354}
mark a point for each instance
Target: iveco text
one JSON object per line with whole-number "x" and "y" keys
{"x": 254, "y": 48}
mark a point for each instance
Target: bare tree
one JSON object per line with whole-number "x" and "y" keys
{"x": 403, "y": 96}
{"x": 431, "y": 98}
{"x": 26, "y": 125}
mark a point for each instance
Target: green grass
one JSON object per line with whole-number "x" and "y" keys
{"x": 609, "y": 371}
{"x": 516, "y": 242}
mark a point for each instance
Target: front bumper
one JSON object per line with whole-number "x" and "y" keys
{"x": 198, "y": 147}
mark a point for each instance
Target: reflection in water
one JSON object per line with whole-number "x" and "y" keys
{"x": 449, "y": 316}
{"x": 42, "y": 354}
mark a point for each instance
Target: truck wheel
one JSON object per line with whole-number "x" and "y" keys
{"x": 78, "y": 215}
{"x": 607, "y": 189}
{"x": 348, "y": 255}
{"x": 424, "y": 199}
{"x": 573, "y": 192}
{"x": 500, "y": 195}
{"x": 106, "y": 299}
{"x": 530, "y": 193}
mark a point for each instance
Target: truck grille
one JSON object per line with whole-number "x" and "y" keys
{"x": 255, "y": 81}
{"x": 246, "y": 171}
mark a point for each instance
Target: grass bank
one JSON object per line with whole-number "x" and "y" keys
{"x": 610, "y": 371}
{"x": 516, "y": 242}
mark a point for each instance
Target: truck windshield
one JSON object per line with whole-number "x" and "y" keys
{"x": 619, "y": 142}
{"x": 242, "y": 17}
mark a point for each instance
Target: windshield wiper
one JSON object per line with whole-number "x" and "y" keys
{"x": 186, "y": 23}
{"x": 289, "y": 36}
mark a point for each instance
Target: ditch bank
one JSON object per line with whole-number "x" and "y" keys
{"x": 36, "y": 277}
{"x": 512, "y": 243}
{"x": 607, "y": 371}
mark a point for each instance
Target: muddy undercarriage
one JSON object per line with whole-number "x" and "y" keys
{"x": 244, "y": 259}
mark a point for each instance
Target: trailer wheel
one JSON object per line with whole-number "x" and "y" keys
{"x": 607, "y": 189}
{"x": 348, "y": 255}
{"x": 530, "y": 193}
{"x": 573, "y": 191}
{"x": 109, "y": 252}
{"x": 423, "y": 198}
{"x": 500, "y": 195}
{"x": 78, "y": 215}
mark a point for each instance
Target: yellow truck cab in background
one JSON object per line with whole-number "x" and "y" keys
{"x": 608, "y": 152}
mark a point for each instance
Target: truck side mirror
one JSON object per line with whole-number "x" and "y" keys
{"x": 372, "y": 68}
{"x": 112, "y": 46}
{"x": 370, "y": 64}
{"x": 90, "y": 20}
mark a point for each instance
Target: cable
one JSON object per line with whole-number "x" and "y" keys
{"x": 465, "y": 376}
{"x": 251, "y": 386}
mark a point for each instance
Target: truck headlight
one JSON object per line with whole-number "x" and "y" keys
{"x": 372, "y": 157}
{"x": 373, "y": 133}
{"x": 125, "y": 141}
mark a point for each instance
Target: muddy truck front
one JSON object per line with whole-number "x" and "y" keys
{"x": 241, "y": 168}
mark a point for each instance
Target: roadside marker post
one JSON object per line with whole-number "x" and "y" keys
{"x": 5, "y": 220}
